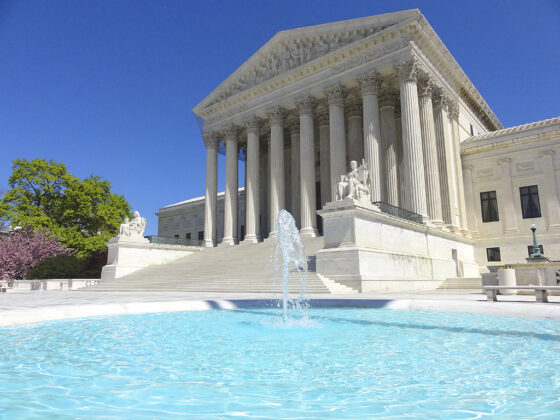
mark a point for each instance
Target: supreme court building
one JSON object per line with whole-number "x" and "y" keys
{"x": 383, "y": 90}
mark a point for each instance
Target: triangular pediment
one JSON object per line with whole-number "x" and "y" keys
{"x": 290, "y": 49}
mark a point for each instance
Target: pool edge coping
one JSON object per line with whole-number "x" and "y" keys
{"x": 61, "y": 312}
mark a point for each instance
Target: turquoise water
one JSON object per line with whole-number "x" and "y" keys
{"x": 343, "y": 363}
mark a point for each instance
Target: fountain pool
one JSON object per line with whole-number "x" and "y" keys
{"x": 341, "y": 363}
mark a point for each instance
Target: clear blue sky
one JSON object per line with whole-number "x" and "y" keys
{"x": 107, "y": 86}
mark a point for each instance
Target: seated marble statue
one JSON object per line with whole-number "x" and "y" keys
{"x": 355, "y": 184}
{"x": 134, "y": 227}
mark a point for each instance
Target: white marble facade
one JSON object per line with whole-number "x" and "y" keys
{"x": 383, "y": 89}
{"x": 507, "y": 164}
{"x": 185, "y": 220}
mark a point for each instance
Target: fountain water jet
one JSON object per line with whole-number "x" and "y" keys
{"x": 290, "y": 250}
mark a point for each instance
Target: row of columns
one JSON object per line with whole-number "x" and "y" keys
{"x": 421, "y": 173}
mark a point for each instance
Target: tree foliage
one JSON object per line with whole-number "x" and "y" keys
{"x": 23, "y": 249}
{"x": 83, "y": 214}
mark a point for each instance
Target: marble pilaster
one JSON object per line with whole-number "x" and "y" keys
{"x": 469, "y": 199}
{"x": 510, "y": 218}
{"x": 550, "y": 189}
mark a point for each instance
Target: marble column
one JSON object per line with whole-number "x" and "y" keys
{"x": 324, "y": 157}
{"x": 431, "y": 169}
{"x": 454, "y": 118}
{"x": 276, "y": 166}
{"x": 509, "y": 213}
{"x": 369, "y": 85}
{"x": 230, "y": 198}
{"x": 295, "y": 174}
{"x": 355, "y": 129}
{"x": 252, "y": 196}
{"x": 415, "y": 182}
{"x": 337, "y": 144}
{"x": 401, "y": 164}
{"x": 264, "y": 187}
{"x": 211, "y": 195}
{"x": 443, "y": 142}
{"x": 389, "y": 146}
{"x": 469, "y": 199}
{"x": 307, "y": 166}
{"x": 550, "y": 187}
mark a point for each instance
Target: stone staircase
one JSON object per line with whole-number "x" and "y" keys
{"x": 246, "y": 268}
{"x": 461, "y": 283}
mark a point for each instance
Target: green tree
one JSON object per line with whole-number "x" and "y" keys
{"x": 83, "y": 214}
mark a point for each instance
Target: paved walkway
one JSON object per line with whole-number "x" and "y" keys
{"x": 28, "y": 307}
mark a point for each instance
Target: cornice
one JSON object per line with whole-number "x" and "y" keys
{"x": 539, "y": 131}
{"x": 358, "y": 53}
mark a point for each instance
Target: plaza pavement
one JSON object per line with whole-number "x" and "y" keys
{"x": 30, "y": 307}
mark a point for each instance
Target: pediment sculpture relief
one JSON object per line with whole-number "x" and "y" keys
{"x": 294, "y": 53}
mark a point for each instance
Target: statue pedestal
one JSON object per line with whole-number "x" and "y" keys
{"x": 128, "y": 254}
{"x": 373, "y": 251}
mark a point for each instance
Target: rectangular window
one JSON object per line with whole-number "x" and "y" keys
{"x": 530, "y": 205}
{"x": 489, "y": 205}
{"x": 176, "y": 236}
{"x": 530, "y": 249}
{"x": 188, "y": 236}
{"x": 493, "y": 254}
{"x": 201, "y": 235}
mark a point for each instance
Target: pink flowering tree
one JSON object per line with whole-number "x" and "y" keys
{"x": 21, "y": 250}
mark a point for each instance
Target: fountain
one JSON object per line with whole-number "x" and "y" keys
{"x": 289, "y": 256}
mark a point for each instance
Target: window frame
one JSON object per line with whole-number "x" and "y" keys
{"x": 530, "y": 194}
{"x": 489, "y": 200}
{"x": 493, "y": 249}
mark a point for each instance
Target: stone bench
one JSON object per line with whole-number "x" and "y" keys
{"x": 541, "y": 292}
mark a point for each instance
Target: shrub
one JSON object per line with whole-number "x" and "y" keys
{"x": 59, "y": 267}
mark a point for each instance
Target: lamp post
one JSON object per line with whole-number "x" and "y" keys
{"x": 536, "y": 254}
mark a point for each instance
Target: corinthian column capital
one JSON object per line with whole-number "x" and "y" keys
{"x": 336, "y": 95}
{"x": 407, "y": 70}
{"x": 276, "y": 115}
{"x": 231, "y": 132}
{"x": 370, "y": 83}
{"x": 305, "y": 105}
{"x": 211, "y": 140}
{"x": 252, "y": 125}
{"x": 425, "y": 85}
{"x": 453, "y": 109}
{"x": 388, "y": 98}
{"x": 439, "y": 98}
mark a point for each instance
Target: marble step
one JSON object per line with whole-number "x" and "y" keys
{"x": 461, "y": 283}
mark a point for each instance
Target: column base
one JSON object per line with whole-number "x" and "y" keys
{"x": 227, "y": 242}
{"x": 250, "y": 239}
{"x": 208, "y": 243}
{"x": 308, "y": 232}
{"x": 272, "y": 235}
